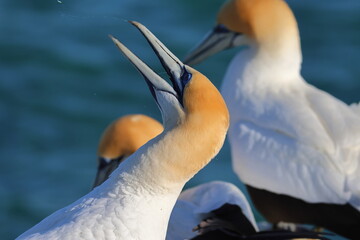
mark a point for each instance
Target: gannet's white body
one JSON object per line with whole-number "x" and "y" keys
{"x": 137, "y": 199}
{"x": 128, "y": 133}
{"x": 298, "y": 141}
{"x": 286, "y": 136}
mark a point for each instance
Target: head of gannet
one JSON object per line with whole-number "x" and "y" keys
{"x": 265, "y": 25}
{"x": 195, "y": 116}
{"x": 122, "y": 138}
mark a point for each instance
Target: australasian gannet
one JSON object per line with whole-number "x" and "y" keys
{"x": 296, "y": 147}
{"x": 137, "y": 199}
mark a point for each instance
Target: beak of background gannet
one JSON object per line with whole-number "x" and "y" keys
{"x": 163, "y": 93}
{"x": 105, "y": 168}
{"x": 220, "y": 38}
{"x": 122, "y": 138}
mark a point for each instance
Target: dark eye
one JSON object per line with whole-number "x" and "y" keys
{"x": 185, "y": 77}
{"x": 221, "y": 29}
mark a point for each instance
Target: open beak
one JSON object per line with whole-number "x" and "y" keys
{"x": 173, "y": 66}
{"x": 218, "y": 39}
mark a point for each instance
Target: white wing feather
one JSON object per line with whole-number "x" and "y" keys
{"x": 193, "y": 205}
{"x": 302, "y": 142}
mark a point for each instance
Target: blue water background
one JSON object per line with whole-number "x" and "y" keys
{"x": 62, "y": 81}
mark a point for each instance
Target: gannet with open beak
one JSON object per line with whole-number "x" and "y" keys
{"x": 296, "y": 147}
{"x": 137, "y": 199}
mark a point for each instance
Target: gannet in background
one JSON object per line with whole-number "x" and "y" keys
{"x": 296, "y": 147}
{"x": 122, "y": 138}
{"x": 137, "y": 199}
{"x": 221, "y": 208}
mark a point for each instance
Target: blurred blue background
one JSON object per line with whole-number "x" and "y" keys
{"x": 62, "y": 81}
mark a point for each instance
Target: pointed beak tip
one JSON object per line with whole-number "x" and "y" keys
{"x": 111, "y": 37}
{"x": 117, "y": 43}
{"x": 139, "y": 26}
{"x": 133, "y": 22}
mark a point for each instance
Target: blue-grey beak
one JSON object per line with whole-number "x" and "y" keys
{"x": 173, "y": 66}
{"x": 218, "y": 39}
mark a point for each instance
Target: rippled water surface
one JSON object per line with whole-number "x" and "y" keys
{"x": 62, "y": 81}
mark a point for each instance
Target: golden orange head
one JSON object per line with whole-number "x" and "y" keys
{"x": 261, "y": 20}
{"x": 126, "y": 134}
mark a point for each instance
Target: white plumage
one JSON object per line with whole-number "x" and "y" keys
{"x": 125, "y": 135}
{"x": 356, "y": 108}
{"x": 195, "y": 204}
{"x": 291, "y": 137}
{"x": 116, "y": 210}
